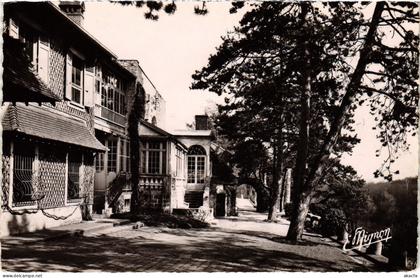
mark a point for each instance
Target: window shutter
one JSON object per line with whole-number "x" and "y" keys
{"x": 13, "y": 29}
{"x": 89, "y": 87}
{"x": 68, "y": 76}
{"x": 98, "y": 80}
{"x": 43, "y": 58}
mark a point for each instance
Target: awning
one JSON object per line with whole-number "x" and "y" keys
{"x": 20, "y": 82}
{"x": 43, "y": 123}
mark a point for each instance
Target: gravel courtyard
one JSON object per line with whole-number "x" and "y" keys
{"x": 238, "y": 244}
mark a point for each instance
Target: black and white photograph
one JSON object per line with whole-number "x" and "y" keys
{"x": 215, "y": 137}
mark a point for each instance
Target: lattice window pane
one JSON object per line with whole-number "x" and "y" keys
{"x": 99, "y": 162}
{"x": 112, "y": 156}
{"x": 73, "y": 186}
{"x": 191, "y": 169}
{"x": 23, "y": 179}
{"x": 104, "y": 93}
{"x": 128, "y": 161}
{"x": 154, "y": 145}
{"x": 143, "y": 162}
{"x": 196, "y": 150}
{"x": 52, "y": 177}
{"x": 200, "y": 169}
{"x": 154, "y": 162}
{"x": 76, "y": 95}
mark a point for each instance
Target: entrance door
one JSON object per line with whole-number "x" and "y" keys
{"x": 221, "y": 204}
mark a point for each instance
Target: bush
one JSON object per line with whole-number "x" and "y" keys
{"x": 159, "y": 219}
{"x": 201, "y": 214}
{"x": 332, "y": 222}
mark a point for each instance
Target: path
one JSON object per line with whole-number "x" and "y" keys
{"x": 244, "y": 243}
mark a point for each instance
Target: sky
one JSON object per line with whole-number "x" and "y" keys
{"x": 171, "y": 49}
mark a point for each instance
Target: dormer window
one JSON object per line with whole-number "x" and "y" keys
{"x": 77, "y": 80}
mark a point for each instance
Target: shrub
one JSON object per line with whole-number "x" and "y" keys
{"x": 332, "y": 222}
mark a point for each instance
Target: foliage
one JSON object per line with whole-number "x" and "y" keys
{"x": 133, "y": 123}
{"x": 332, "y": 220}
{"x": 257, "y": 67}
{"x": 153, "y": 8}
{"x": 342, "y": 201}
{"x": 395, "y": 206}
{"x": 158, "y": 219}
{"x": 309, "y": 48}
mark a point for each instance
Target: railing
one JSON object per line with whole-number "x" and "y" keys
{"x": 158, "y": 182}
{"x": 154, "y": 191}
{"x": 116, "y": 187}
{"x": 108, "y": 114}
{"x": 23, "y": 179}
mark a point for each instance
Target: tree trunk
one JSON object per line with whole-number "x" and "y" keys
{"x": 303, "y": 189}
{"x": 274, "y": 198}
{"x": 300, "y": 199}
{"x": 297, "y": 222}
{"x": 277, "y": 159}
{"x": 282, "y": 191}
{"x": 275, "y": 187}
{"x": 136, "y": 113}
{"x": 340, "y": 118}
{"x": 262, "y": 198}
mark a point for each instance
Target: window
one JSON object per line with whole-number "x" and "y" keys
{"x": 99, "y": 162}
{"x": 104, "y": 101}
{"x": 179, "y": 162}
{"x": 113, "y": 96}
{"x": 73, "y": 186}
{"x": 30, "y": 42}
{"x": 98, "y": 86}
{"x": 153, "y": 157}
{"x": 23, "y": 174}
{"x": 112, "y": 156}
{"x": 124, "y": 155}
{"x": 127, "y": 147}
{"x": 196, "y": 164}
{"x": 77, "y": 80}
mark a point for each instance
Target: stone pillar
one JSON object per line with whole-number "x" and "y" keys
{"x": 288, "y": 186}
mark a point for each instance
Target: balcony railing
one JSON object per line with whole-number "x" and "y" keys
{"x": 154, "y": 181}
{"x": 108, "y": 114}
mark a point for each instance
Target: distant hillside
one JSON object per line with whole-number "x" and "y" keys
{"x": 394, "y": 204}
{"x": 395, "y": 187}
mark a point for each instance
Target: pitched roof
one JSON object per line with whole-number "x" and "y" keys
{"x": 46, "y": 124}
{"x": 156, "y": 129}
{"x": 193, "y": 133}
{"x": 21, "y": 83}
{"x": 161, "y": 133}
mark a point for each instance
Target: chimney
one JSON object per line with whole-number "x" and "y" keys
{"x": 74, "y": 10}
{"x": 201, "y": 122}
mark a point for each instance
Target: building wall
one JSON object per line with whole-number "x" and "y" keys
{"x": 178, "y": 177}
{"x": 40, "y": 219}
{"x": 155, "y": 104}
{"x": 205, "y": 143}
{"x": 53, "y": 209}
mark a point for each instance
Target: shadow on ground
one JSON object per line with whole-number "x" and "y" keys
{"x": 242, "y": 244}
{"x": 171, "y": 250}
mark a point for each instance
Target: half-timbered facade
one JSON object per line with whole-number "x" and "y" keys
{"x": 64, "y": 99}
